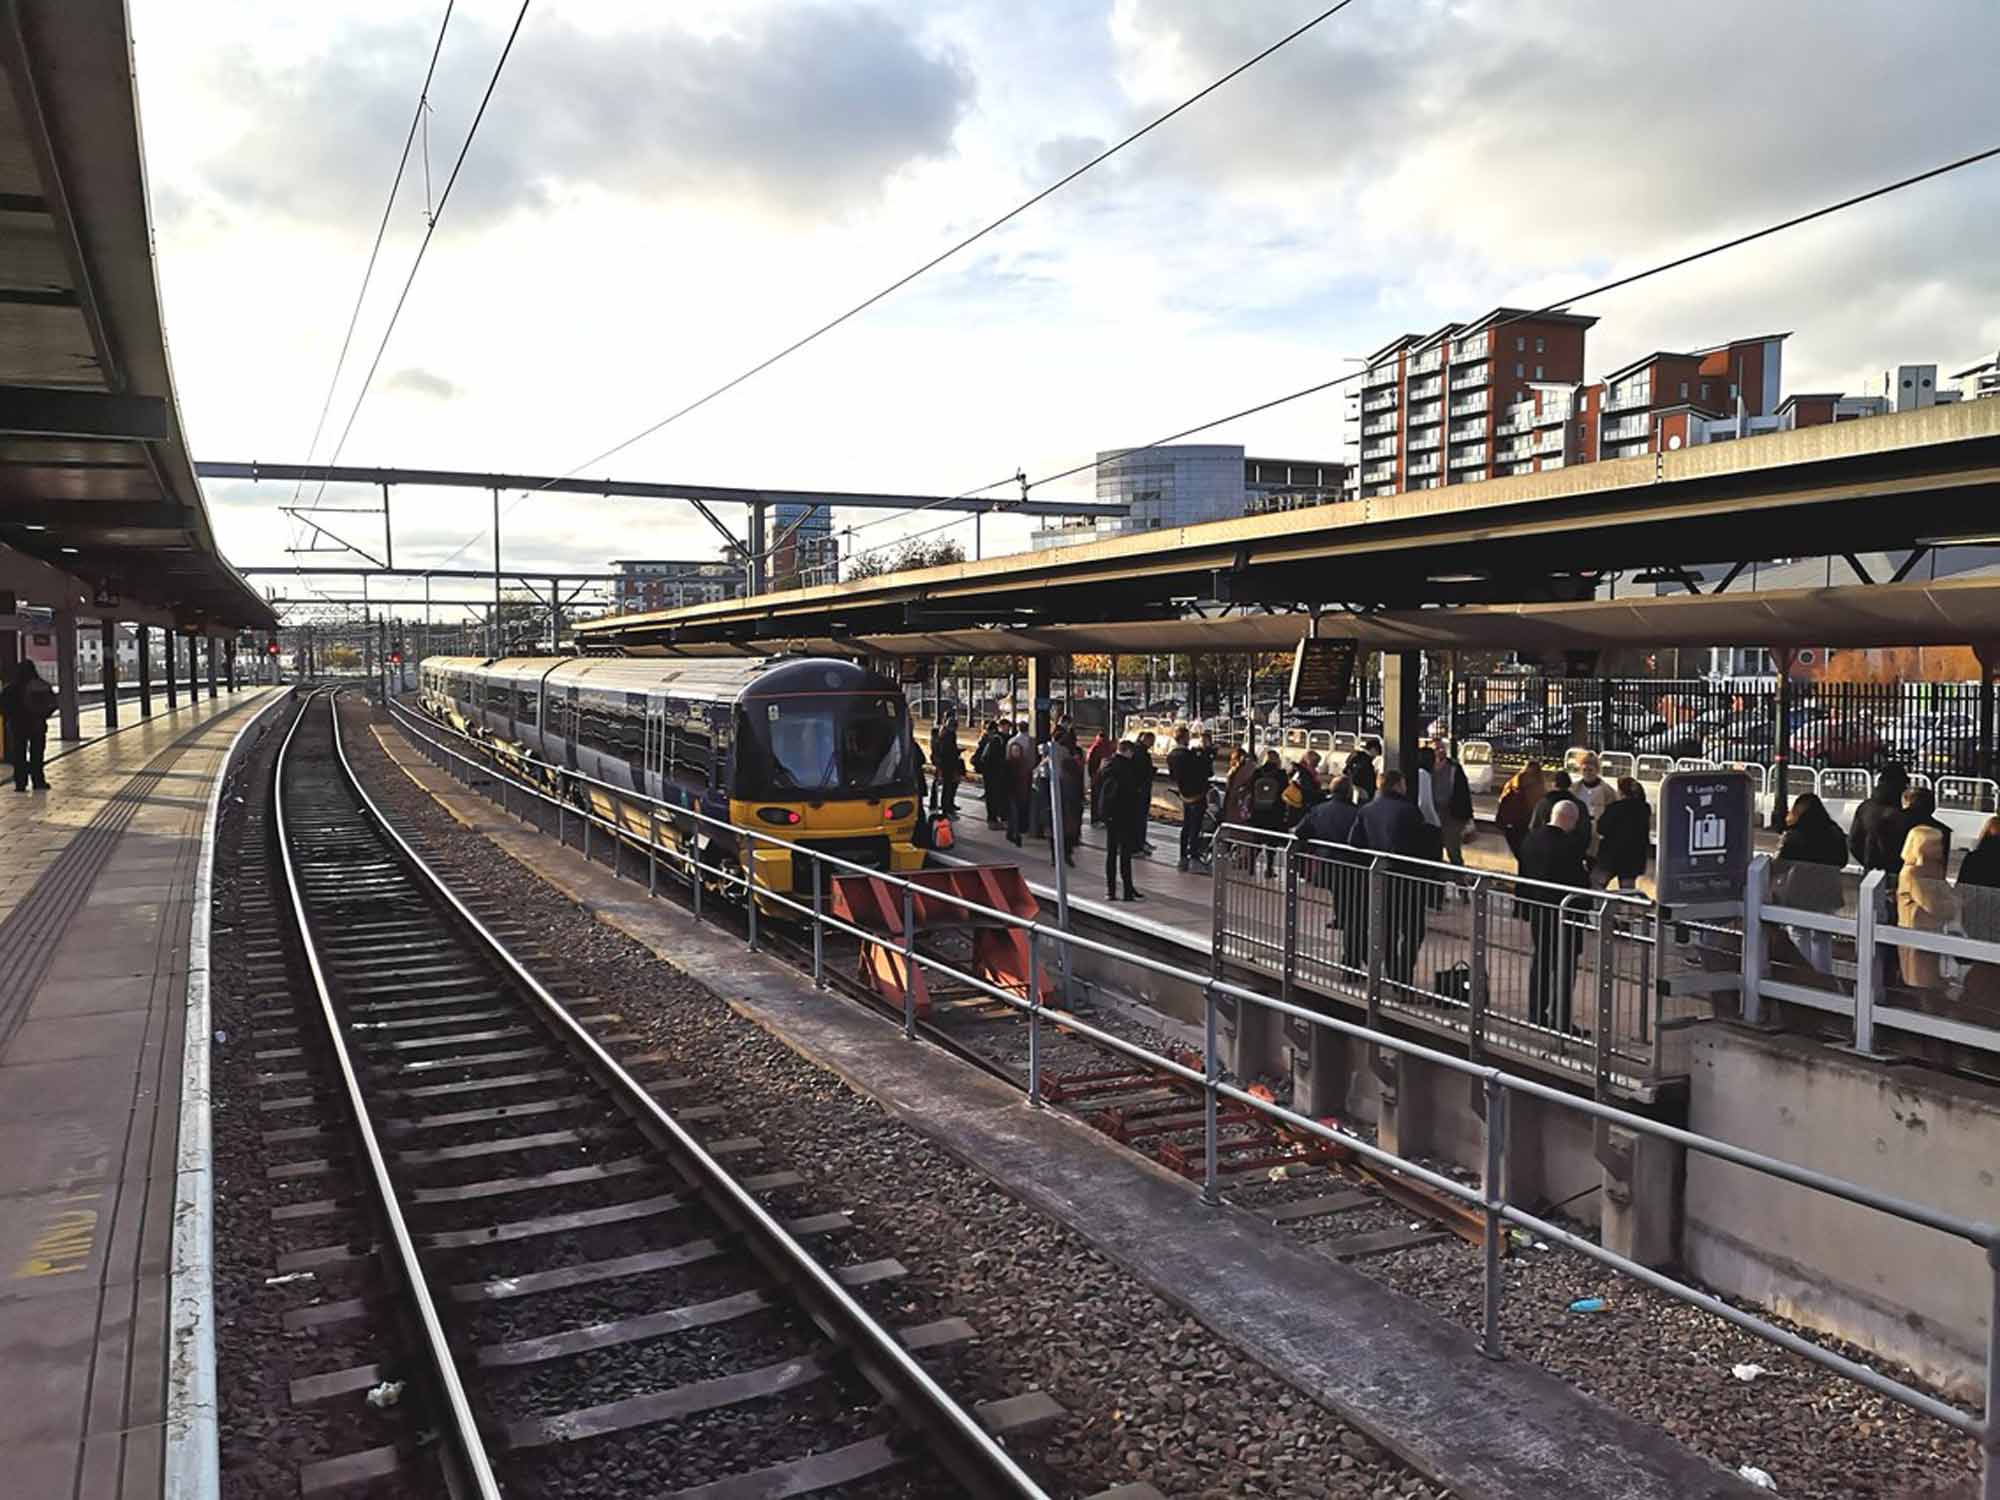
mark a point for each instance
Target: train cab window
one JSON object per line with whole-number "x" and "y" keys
{"x": 851, "y": 745}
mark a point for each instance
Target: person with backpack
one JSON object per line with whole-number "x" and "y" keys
{"x": 1268, "y": 812}
{"x": 26, "y": 703}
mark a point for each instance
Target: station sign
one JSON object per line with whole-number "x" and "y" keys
{"x": 1705, "y": 837}
{"x": 1323, "y": 672}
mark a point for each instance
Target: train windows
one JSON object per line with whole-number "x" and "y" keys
{"x": 688, "y": 743}
{"x": 837, "y": 745}
{"x": 527, "y": 704}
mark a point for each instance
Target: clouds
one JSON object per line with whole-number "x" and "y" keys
{"x": 662, "y": 196}
{"x": 424, "y": 383}
{"x": 802, "y": 114}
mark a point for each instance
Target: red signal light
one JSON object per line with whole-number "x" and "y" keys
{"x": 270, "y": 648}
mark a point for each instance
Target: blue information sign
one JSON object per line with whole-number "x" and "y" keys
{"x": 1705, "y": 837}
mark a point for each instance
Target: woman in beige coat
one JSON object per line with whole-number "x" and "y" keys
{"x": 1924, "y": 903}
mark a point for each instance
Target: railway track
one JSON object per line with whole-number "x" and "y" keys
{"x": 586, "y": 1289}
{"x": 1353, "y": 1210}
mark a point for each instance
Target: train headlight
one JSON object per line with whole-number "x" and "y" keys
{"x": 782, "y": 816}
{"x": 900, "y": 810}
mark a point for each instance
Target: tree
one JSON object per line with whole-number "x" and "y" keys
{"x": 918, "y": 552}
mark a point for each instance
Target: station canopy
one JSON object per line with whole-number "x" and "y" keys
{"x": 99, "y": 505}
{"x": 1949, "y": 613}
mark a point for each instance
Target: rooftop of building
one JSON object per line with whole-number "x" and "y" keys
{"x": 1702, "y": 352}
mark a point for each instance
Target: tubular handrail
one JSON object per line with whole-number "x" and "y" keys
{"x": 1497, "y": 1081}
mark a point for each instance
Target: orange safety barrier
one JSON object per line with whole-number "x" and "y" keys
{"x": 999, "y": 952}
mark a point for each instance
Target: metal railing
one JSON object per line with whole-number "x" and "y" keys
{"x": 1853, "y": 979}
{"x": 1498, "y": 1087}
{"x": 1558, "y": 976}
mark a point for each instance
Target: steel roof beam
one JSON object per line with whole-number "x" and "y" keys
{"x": 648, "y": 490}
{"x": 46, "y": 411}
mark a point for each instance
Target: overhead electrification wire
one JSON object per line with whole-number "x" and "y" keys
{"x": 430, "y": 230}
{"x": 1824, "y": 211}
{"x": 935, "y": 261}
{"x": 374, "y": 252}
{"x": 1562, "y": 302}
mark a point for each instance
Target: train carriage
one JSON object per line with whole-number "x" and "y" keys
{"x": 814, "y": 750}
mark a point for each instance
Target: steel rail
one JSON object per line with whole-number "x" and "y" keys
{"x": 957, "y": 1439}
{"x": 466, "y": 1440}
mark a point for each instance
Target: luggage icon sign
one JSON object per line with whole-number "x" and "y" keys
{"x": 1708, "y": 832}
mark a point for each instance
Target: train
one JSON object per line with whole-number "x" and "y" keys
{"x": 814, "y": 750}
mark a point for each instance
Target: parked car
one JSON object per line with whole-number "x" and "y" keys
{"x": 1839, "y": 742}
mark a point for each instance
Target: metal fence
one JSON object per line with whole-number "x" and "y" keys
{"x": 469, "y": 761}
{"x": 1544, "y": 972}
{"x": 1933, "y": 727}
{"x": 1805, "y": 942}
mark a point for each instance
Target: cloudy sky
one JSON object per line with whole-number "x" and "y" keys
{"x": 660, "y": 196}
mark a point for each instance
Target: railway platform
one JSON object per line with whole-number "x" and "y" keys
{"x": 98, "y": 902}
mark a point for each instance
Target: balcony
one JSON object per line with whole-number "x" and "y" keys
{"x": 1426, "y": 416}
{"x": 1379, "y": 426}
{"x": 1422, "y": 466}
{"x": 1381, "y": 375}
{"x": 1629, "y": 399}
{"x": 1378, "y": 450}
{"x": 1470, "y": 349}
{"x": 1549, "y": 442}
{"x": 1424, "y": 442}
{"x": 1469, "y": 432}
{"x": 1625, "y": 431}
{"x": 1476, "y": 375}
{"x": 1470, "y": 476}
{"x": 1381, "y": 400}
{"x": 1517, "y": 419}
{"x": 1423, "y": 390}
{"x": 1380, "y": 474}
{"x": 1469, "y": 456}
{"x": 1470, "y": 406}
{"x": 1431, "y": 361}
{"x": 1514, "y": 453}
{"x": 1549, "y": 416}
{"x": 1552, "y": 463}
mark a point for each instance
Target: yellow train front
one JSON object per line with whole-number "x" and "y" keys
{"x": 812, "y": 750}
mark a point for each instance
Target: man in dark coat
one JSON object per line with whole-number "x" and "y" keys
{"x": 992, "y": 784}
{"x": 26, "y": 703}
{"x": 1552, "y": 855}
{"x": 1190, "y": 768}
{"x": 1123, "y": 798}
{"x": 1338, "y": 870}
{"x": 1875, "y": 838}
{"x": 1560, "y": 790}
{"x": 1391, "y": 824}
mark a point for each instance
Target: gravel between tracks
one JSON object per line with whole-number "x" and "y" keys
{"x": 1149, "y": 1393}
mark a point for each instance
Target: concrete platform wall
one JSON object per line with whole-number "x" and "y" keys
{"x": 1904, "y": 1292}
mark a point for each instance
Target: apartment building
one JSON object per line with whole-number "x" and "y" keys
{"x": 645, "y": 584}
{"x": 1670, "y": 400}
{"x": 1431, "y": 405}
